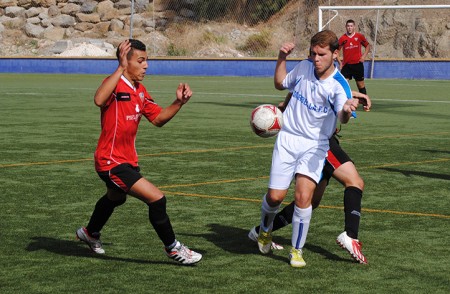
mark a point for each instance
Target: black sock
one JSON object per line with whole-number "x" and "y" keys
{"x": 282, "y": 218}
{"x": 102, "y": 211}
{"x": 362, "y": 90}
{"x": 160, "y": 221}
{"x": 352, "y": 209}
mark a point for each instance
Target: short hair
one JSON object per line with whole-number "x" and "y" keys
{"x": 350, "y": 21}
{"x": 325, "y": 38}
{"x": 135, "y": 44}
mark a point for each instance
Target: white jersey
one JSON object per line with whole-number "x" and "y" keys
{"x": 312, "y": 110}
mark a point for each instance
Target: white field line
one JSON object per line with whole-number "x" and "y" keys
{"x": 275, "y": 96}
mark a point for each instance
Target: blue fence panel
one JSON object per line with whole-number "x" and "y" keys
{"x": 433, "y": 70}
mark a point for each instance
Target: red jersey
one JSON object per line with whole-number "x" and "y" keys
{"x": 120, "y": 117}
{"x": 351, "y": 47}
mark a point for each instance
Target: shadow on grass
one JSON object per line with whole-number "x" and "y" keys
{"x": 409, "y": 173}
{"x": 327, "y": 254}
{"x": 79, "y": 249}
{"x": 436, "y": 151}
{"x": 235, "y": 240}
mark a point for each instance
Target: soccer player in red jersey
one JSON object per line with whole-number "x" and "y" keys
{"x": 123, "y": 100}
{"x": 351, "y": 44}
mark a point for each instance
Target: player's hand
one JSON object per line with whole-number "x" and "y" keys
{"x": 184, "y": 93}
{"x": 281, "y": 106}
{"x": 124, "y": 48}
{"x": 350, "y": 105}
{"x": 362, "y": 99}
{"x": 286, "y": 49}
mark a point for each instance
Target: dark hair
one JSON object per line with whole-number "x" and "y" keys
{"x": 350, "y": 21}
{"x": 135, "y": 44}
{"x": 325, "y": 38}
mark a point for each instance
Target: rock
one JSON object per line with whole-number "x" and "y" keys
{"x": 33, "y": 30}
{"x": 33, "y": 11}
{"x": 83, "y": 17}
{"x": 61, "y": 46}
{"x": 88, "y": 7}
{"x": 14, "y": 11}
{"x": 63, "y": 20}
{"x": 70, "y": 9}
{"x": 7, "y": 3}
{"x": 54, "y": 33}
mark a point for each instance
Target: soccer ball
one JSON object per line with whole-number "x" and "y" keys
{"x": 266, "y": 120}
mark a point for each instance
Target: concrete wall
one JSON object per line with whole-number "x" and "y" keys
{"x": 430, "y": 70}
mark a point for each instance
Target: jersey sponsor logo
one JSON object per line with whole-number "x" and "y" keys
{"x": 136, "y": 116}
{"x": 123, "y": 96}
{"x": 312, "y": 107}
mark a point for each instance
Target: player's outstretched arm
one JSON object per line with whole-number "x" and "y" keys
{"x": 346, "y": 112}
{"x": 280, "y": 68}
{"x": 183, "y": 94}
{"x": 363, "y": 99}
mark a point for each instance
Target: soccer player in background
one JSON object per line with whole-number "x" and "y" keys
{"x": 123, "y": 100}
{"x": 351, "y": 44}
{"x": 338, "y": 165}
{"x": 321, "y": 95}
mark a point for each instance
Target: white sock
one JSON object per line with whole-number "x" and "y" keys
{"x": 267, "y": 215}
{"x": 300, "y": 226}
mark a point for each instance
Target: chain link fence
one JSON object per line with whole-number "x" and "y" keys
{"x": 211, "y": 29}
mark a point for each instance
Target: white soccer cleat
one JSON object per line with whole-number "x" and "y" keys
{"x": 253, "y": 235}
{"x": 353, "y": 246}
{"x": 94, "y": 243}
{"x": 182, "y": 254}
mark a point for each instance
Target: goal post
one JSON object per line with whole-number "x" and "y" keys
{"x": 335, "y": 10}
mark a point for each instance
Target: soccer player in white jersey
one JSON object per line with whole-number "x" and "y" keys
{"x": 321, "y": 95}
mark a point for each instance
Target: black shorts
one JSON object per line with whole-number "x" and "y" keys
{"x": 121, "y": 177}
{"x": 353, "y": 70}
{"x": 335, "y": 158}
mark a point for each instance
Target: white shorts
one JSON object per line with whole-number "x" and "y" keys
{"x": 296, "y": 155}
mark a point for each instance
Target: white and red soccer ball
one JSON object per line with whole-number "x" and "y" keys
{"x": 266, "y": 120}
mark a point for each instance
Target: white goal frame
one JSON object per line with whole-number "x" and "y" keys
{"x": 336, "y": 13}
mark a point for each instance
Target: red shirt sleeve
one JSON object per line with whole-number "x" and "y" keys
{"x": 363, "y": 41}
{"x": 151, "y": 109}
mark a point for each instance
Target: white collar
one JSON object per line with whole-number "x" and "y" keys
{"x": 130, "y": 84}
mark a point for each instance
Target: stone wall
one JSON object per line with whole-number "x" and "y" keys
{"x": 37, "y": 27}
{"x": 51, "y": 27}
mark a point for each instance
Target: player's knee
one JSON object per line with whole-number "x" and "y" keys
{"x": 120, "y": 202}
{"x": 274, "y": 199}
{"x": 116, "y": 198}
{"x": 358, "y": 183}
